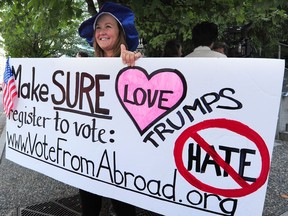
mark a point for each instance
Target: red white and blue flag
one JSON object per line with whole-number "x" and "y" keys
{"x": 9, "y": 89}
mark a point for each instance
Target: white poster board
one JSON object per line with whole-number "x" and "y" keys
{"x": 177, "y": 136}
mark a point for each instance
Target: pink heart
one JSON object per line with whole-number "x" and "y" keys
{"x": 148, "y": 97}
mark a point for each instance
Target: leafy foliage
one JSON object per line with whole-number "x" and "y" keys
{"x": 41, "y": 28}
{"x": 166, "y": 19}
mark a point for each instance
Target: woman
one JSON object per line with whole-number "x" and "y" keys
{"x": 127, "y": 38}
{"x": 113, "y": 34}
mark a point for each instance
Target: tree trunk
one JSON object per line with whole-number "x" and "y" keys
{"x": 91, "y": 7}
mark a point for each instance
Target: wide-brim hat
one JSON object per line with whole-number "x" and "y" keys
{"x": 122, "y": 14}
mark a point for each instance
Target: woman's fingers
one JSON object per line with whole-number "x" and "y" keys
{"x": 129, "y": 57}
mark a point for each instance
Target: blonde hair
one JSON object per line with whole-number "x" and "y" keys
{"x": 98, "y": 52}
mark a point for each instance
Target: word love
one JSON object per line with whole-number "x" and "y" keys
{"x": 148, "y": 97}
{"x": 140, "y": 96}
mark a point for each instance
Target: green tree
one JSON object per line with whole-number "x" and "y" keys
{"x": 166, "y": 19}
{"x": 35, "y": 28}
{"x": 49, "y": 28}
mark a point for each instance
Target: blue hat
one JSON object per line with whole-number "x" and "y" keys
{"x": 122, "y": 14}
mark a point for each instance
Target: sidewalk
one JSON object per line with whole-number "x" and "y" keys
{"x": 275, "y": 204}
{"x": 20, "y": 187}
{"x": 25, "y": 192}
{"x": 2, "y": 136}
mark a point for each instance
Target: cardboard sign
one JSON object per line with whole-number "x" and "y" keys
{"x": 177, "y": 136}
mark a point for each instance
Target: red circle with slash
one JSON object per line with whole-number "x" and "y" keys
{"x": 238, "y": 128}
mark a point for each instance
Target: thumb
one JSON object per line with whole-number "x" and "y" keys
{"x": 123, "y": 48}
{"x": 123, "y": 53}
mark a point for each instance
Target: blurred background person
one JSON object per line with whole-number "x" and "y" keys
{"x": 204, "y": 35}
{"x": 82, "y": 54}
{"x": 221, "y": 47}
{"x": 172, "y": 48}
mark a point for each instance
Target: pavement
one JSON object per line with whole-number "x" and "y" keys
{"x": 25, "y": 192}
{"x": 21, "y": 187}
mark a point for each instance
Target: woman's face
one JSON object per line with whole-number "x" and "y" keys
{"x": 106, "y": 33}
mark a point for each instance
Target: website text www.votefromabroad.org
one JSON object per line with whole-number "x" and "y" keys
{"x": 104, "y": 169}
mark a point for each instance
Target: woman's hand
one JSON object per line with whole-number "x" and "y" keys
{"x": 129, "y": 57}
